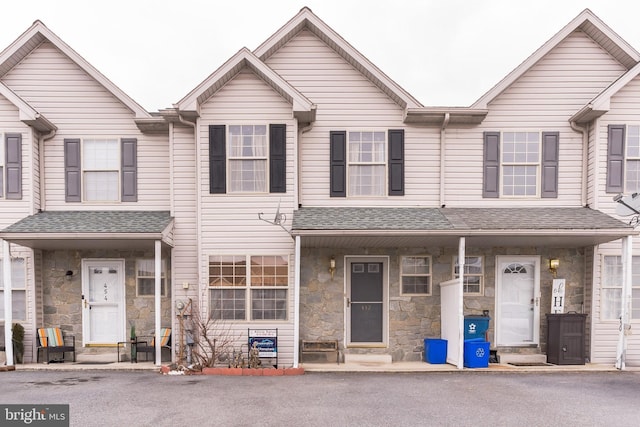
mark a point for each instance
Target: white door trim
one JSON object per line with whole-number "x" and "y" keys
{"x": 353, "y": 259}
{"x": 120, "y": 322}
{"x": 503, "y": 259}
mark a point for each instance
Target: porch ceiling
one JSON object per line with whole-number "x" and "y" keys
{"x": 481, "y": 227}
{"x": 92, "y": 230}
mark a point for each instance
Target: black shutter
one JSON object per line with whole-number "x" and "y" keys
{"x": 277, "y": 158}
{"x": 491, "y": 165}
{"x": 338, "y": 163}
{"x": 13, "y": 165}
{"x": 396, "y": 162}
{"x": 129, "y": 170}
{"x": 615, "y": 159}
{"x": 550, "y": 153}
{"x": 72, "y": 170}
{"x": 217, "y": 159}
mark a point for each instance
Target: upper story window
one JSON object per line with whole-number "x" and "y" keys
{"x": 248, "y": 158}
{"x": 366, "y": 163}
{"x": 100, "y": 170}
{"x": 520, "y": 164}
{"x": 623, "y": 159}
{"x": 18, "y": 289}
{"x": 11, "y": 167}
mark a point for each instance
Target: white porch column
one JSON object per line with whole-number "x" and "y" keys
{"x": 296, "y": 305}
{"x": 8, "y": 306}
{"x": 158, "y": 294}
{"x": 461, "y": 259}
{"x": 625, "y": 301}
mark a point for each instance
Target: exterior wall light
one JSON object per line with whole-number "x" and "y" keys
{"x": 554, "y": 263}
{"x": 332, "y": 266}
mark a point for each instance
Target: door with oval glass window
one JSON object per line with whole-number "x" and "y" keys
{"x": 366, "y": 304}
{"x": 517, "y": 300}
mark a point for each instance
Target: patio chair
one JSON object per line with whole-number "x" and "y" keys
{"x": 52, "y": 341}
{"x": 146, "y": 344}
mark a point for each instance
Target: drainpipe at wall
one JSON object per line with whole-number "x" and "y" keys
{"x": 296, "y": 305}
{"x": 443, "y": 139}
{"x": 41, "y": 140}
{"x": 584, "y": 130}
{"x": 296, "y": 148}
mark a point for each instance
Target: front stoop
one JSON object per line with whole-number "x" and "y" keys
{"x": 243, "y": 372}
{"x": 383, "y": 359}
{"x": 506, "y": 358}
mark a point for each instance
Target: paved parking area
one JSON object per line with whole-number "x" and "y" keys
{"x": 106, "y": 398}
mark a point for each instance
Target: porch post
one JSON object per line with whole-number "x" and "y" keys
{"x": 8, "y": 306}
{"x": 461, "y": 259}
{"x": 158, "y": 293}
{"x": 296, "y": 305}
{"x": 625, "y": 302}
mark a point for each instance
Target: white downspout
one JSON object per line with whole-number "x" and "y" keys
{"x": 158, "y": 301}
{"x": 297, "y": 148}
{"x": 8, "y": 306}
{"x": 296, "y": 305}
{"x": 443, "y": 140}
{"x": 43, "y": 194}
{"x": 461, "y": 259}
{"x": 625, "y": 309}
{"x": 584, "y": 130}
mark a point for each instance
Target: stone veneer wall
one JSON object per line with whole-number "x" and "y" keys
{"x": 62, "y": 303}
{"x": 413, "y": 318}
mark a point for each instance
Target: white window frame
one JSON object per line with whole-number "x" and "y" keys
{"x": 519, "y": 163}
{"x": 613, "y": 284}
{"x": 352, "y": 164}
{"x": 15, "y": 288}
{"x": 635, "y": 159}
{"x": 116, "y": 168}
{"x": 256, "y": 158}
{"x": 428, "y": 275}
{"x": 244, "y": 281}
{"x": 467, "y": 274}
{"x": 2, "y": 167}
{"x": 163, "y": 278}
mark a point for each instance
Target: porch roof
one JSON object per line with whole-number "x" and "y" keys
{"x": 482, "y": 227}
{"x": 91, "y": 229}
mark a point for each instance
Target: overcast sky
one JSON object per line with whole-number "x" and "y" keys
{"x": 443, "y": 52}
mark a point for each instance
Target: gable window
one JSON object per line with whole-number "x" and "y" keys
{"x": 366, "y": 163}
{"x": 415, "y": 275}
{"x": 520, "y": 164}
{"x": 18, "y": 289}
{"x": 472, "y": 282}
{"x": 611, "y": 289}
{"x": 100, "y": 170}
{"x": 145, "y": 277}
{"x": 11, "y": 167}
{"x": 623, "y": 159}
{"x": 249, "y": 158}
{"x": 253, "y": 285}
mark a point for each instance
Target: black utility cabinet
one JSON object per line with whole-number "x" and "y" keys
{"x": 565, "y": 338}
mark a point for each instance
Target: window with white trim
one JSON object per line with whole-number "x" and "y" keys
{"x": 18, "y": 289}
{"x": 101, "y": 170}
{"x": 145, "y": 277}
{"x": 248, "y": 157}
{"x": 367, "y": 167}
{"x": 611, "y": 288}
{"x": 2, "y": 148}
{"x": 632, "y": 161}
{"x": 248, "y": 287}
{"x": 415, "y": 275}
{"x": 520, "y": 164}
{"x": 473, "y": 278}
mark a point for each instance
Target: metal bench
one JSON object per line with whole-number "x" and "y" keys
{"x": 321, "y": 346}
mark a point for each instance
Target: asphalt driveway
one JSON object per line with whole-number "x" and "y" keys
{"x": 110, "y": 398}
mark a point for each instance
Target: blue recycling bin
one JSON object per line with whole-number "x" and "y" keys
{"x": 476, "y": 353}
{"x": 435, "y": 350}
{"x": 476, "y": 327}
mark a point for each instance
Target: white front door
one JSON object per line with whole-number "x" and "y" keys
{"x": 517, "y": 300}
{"x": 103, "y": 307}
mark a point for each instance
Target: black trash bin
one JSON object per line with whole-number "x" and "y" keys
{"x": 565, "y": 338}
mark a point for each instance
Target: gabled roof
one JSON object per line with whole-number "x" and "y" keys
{"x": 303, "y": 109}
{"x": 28, "y": 114}
{"x": 306, "y": 19}
{"x": 39, "y": 33}
{"x": 586, "y": 21}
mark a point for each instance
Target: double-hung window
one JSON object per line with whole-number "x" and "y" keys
{"x": 611, "y": 288}
{"x": 248, "y": 287}
{"x": 248, "y": 155}
{"x": 415, "y": 275}
{"x": 145, "y": 277}
{"x": 367, "y": 163}
{"x": 472, "y": 282}
{"x": 18, "y": 289}
{"x": 520, "y": 164}
{"x": 623, "y": 159}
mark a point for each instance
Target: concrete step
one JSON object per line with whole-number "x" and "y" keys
{"x": 368, "y": 358}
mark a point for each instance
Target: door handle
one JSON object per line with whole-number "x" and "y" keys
{"x": 348, "y": 302}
